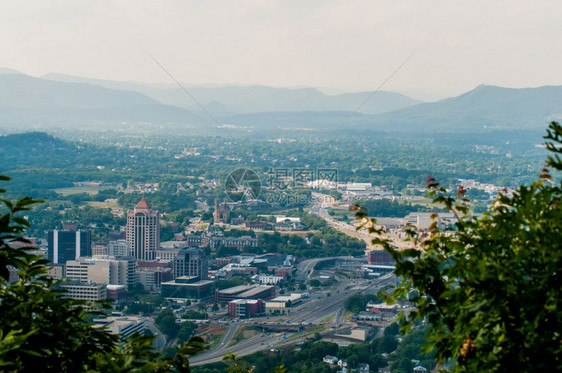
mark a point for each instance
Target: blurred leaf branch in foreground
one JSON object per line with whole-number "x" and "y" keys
{"x": 490, "y": 288}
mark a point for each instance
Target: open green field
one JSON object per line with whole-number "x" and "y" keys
{"x": 419, "y": 201}
{"x": 78, "y": 189}
{"x": 340, "y": 214}
{"x": 202, "y": 227}
{"x": 347, "y": 316}
{"x": 329, "y": 318}
{"x": 244, "y": 333}
{"x": 104, "y": 205}
{"x": 339, "y": 211}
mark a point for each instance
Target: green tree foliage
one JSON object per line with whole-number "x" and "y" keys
{"x": 42, "y": 162}
{"x": 195, "y": 315}
{"x": 138, "y": 308}
{"x": 410, "y": 348}
{"x": 225, "y": 251}
{"x": 161, "y": 201}
{"x": 326, "y": 242}
{"x": 166, "y": 232}
{"x": 187, "y": 328}
{"x": 401, "y": 366}
{"x": 392, "y": 330}
{"x": 137, "y": 291}
{"x": 491, "y": 291}
{"x": 235, "y": 364}
{"x": 315, "y": 283}
{"x": 182, "y": 217}
{"x": 357, "y": 303}
{"x": 207, "y": 216}
{"x": 166, "y": 322}
{"x": 42, "y": 330}
{"x": 235, "y": 281}
{"x": 387, "y": 208}
{"x": 145, "y": 304}
{"x": 239, "y": 233}
{"x": 388, "y": 344}
{"x": 308, "y": 357}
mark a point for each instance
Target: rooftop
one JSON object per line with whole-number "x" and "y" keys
{"x": 237, "y": 289}
{"x": 256, "y": 290}
{"x": 143, "y": 204}
{"x": 189, "y": 284}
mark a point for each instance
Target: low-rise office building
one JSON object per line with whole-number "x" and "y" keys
{"x": 122, "y": 325}
{"x": 152, "y": 277}
{"x": 244, "y": 308}
{"x": 189, "y": 287}
{"x": 279, "y": 304}
{"x": 263, "y": 292}
{"x": 117, "y": 293}
{"x": 87, "y": 291}
{"x": 268, "y": 279}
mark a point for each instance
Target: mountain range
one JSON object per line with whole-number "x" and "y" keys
{"x": 255, "y": 99}
{"x": 485, "y": 107}
{"x": 63, "y": 100}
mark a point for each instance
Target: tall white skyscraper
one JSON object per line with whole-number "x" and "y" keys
{"x": 143, "y": 231}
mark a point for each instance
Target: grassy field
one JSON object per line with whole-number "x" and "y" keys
{"x": 347, "y": 316}
{"x": 214, "y": 334}
{"x": 419, "y": 201}
{"x": 307, "y": 332}
{"x": 202, "y": 227}
{"x": 340, "y": 214}
{"x": 102, "y": 205}
{"x": 78, "y": 189}
{"x": 244, "y": 333}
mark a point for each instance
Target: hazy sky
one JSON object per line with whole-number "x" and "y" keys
{"x": 348, "y": 45}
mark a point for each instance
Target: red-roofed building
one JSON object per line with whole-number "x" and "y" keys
{"x": 143, "y": 205}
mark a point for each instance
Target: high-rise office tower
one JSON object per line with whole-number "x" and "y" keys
{"x": 143, "y": 231}
{"x": 68, "y": 244}
{"x": 191, "y": 262}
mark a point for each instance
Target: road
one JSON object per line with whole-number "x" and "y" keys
{"x": 304, "y": 268}
{"x": 319, "y": 208}
{"x": 221, "y": 349}
{"x": 159, "y": 340}
{"x": 309, "y": 315}
{"x": 201, "y": 206}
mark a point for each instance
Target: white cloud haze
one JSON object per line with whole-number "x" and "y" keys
{"x": 348, "y": 45}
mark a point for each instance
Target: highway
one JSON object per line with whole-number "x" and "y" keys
{"x": 304, "y": 268}
{"x": 312, "y": 312}
{"x": 319, "y": 208}
{"x": 221, "y": 349}
{"x": 308, "y": 315}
